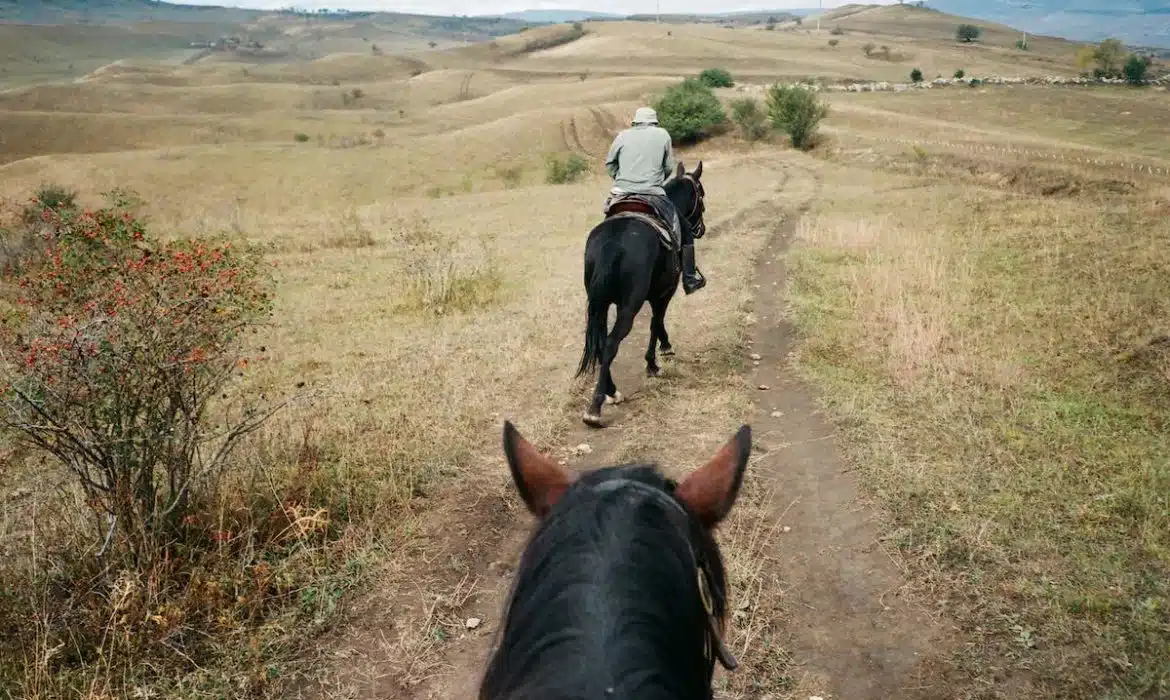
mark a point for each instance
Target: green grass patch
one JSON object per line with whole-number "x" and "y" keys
{"x": 998, "y": 369}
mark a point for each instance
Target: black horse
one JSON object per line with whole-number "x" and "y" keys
{"x": 626, "y": 264}
{"x": 621, "y": 591}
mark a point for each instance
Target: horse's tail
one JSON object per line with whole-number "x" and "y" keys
{"x": 599, "y": 290}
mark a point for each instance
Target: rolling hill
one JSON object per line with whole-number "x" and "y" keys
{"x": 558, "y": 16}
{"x": 1141, "y": 22}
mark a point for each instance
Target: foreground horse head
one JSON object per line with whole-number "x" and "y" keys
{"x": 621, "y": 591}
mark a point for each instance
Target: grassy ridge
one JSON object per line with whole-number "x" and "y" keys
{"x": 1000, "y": 366}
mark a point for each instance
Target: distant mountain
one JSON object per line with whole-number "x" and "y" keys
{"x": 102, "y": 11}
{"x": 1136, "y": 22}
{"x": 558, "y": 16}
{"x": 739, "y": 17}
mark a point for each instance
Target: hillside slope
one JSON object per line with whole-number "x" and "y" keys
{"x": 1141, "y": 22}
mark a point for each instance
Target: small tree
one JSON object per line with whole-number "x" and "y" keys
{"x": 750, "y": 118}
{"x": 716, "y": 78}
{"x": 1135, "y": 69}
{"x": 967, "y": 33}
{"x": 959, "y": 74}
{"x": 1108, "y": 57}
{"x": 916, "y": 75}
{"x": 797, "y": 111}
{"x": 689, "y": 110}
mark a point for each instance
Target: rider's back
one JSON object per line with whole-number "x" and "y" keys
{"x": 642, "y": 160}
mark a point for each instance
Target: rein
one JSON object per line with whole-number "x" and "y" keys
{"x": 715, "y": 649}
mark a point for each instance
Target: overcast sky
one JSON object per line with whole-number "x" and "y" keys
{"x": 483, "y": 7}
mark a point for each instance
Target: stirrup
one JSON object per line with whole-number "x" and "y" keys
{"x": 699, "y": 282}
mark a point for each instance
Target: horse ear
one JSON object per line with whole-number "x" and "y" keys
{"x": 540, "y": 481}
{"x": 710, "y": 491}
{"x": 698, "y": 171}
{"x": 680, "y": 170}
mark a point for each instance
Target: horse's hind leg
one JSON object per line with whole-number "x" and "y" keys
{"x": 658, "y": 332}
{"x": 657, "y": 335}
{"x": 606, "y": 390}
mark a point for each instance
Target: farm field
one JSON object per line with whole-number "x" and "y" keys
{"x": 946, "y": 324}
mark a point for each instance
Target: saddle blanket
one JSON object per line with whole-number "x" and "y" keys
{"x": 632, "y": 206}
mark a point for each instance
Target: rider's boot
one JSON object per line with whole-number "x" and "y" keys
{"x": 692, "y": 279}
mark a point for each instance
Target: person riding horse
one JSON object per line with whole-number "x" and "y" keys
{"x": 640, "y": 160}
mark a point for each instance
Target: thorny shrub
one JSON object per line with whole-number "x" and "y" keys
{"x": 112, "y": 350}
{"x": 117, "y": 353}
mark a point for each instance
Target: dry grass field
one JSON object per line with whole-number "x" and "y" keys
{"x": 946, "y": 323}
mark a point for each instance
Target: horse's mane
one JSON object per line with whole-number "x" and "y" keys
{"x": 676, "y": 186}
{"x": 605, "y": 602}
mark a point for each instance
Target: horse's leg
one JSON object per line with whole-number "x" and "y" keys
{"x": 605, "y": 386}
{"x": 657, "y": 337}
{"x": 660, "y": 315}
{"x": 612, "y": 395}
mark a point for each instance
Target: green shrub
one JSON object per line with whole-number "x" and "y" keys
{"x": 916, "y": 75}
{"x": 750, "y": 118}
{"x": 968, "y": 33}
{"x": 837, "y": 31}
{"x": 563, "y": 170}
{"x": 1135, "y": 69}
{"x": 834, "y": 42}
{"x": 689, "y": 110}
{"x": 52, "y": 197}
{"x": 796, "y": 111}
{"x": 960, "y": 73}
{"x": 716, "y": 78}
{"x": 301, "y": 137}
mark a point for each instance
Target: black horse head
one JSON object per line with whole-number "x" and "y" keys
{"x": 621, "y": 590}
{"x": 686, "y": 191}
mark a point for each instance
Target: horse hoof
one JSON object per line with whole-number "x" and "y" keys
{"x": 666, "y": 352}
{"x": 615, "y": 399}
{"x": 592, "y": 420}
{"x": 654, "y": 373}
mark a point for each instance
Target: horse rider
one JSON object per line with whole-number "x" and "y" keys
{"x": 639, "y": 162}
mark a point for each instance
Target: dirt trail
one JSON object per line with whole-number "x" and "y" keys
{"x": 852, "y": 634}
{"x": 852, "y": 628}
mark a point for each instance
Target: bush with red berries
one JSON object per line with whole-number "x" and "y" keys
{"x": 115, "y": 352}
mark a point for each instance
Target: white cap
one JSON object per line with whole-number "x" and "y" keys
{"x": 645, "y": 115}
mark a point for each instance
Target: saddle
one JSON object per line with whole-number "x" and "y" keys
{"x": 633, "y": 206}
